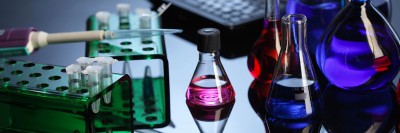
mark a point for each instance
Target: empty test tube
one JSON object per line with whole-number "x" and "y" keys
{"x": 93, "y": 73}
{"x": 123, "y": 13}
{"x": 103, "y": 18}
{"x": 106, "y": 74}
{"x": 144, "y": 22}
{"x": 84, "y": 62}
{"x": 74, "y": 77}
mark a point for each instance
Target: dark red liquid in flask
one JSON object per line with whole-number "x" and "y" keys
{"x": 264, "y": 54}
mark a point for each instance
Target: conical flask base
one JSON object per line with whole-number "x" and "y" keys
{"x": 211, "y": 126}
{"x": 210, "y": 119}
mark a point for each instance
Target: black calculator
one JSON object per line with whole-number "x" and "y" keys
{"x": 240, "y": 21}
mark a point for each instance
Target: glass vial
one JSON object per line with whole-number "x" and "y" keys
{"x": 74, "y": 77}
{"x": 264, "y": 53}
{"x": 360, "y": 50}
{"x": 210, "y": 85}
{"x": 294, "y": 99}
{"x": 210, "y": 96}
{"x": 103, "y": 19}
{"x": 106, "y": 74}
{"x": 123, "y": 13}
{"x": 94, "y": 79}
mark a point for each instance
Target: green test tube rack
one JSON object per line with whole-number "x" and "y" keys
{"x": 36, "y": 98}
{"x": 150, "y": 104}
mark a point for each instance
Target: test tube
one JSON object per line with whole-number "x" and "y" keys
{"x": 144, "y": 22}
{"x": 106, "y": 74}
{"x": 103, "y": 19}
{"x": 74, "y": 77}
{"x": 84, "y": 62}
{"x": 93, "y": 73}
{"x": 123, "y": 13}
{"x": 148, "y": 90}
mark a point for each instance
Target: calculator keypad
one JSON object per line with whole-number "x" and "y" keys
{"x": 226, "y": 12}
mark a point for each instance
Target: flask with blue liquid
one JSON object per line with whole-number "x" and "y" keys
{"x": 293, "y": 104}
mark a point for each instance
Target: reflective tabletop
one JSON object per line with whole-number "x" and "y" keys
{"x": 63, "y": 16}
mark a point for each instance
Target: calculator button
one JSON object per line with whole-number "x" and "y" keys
{"x": 245, "y": 16}
{"x": 226, "y": 9}
{"x": 235, "y": 13}
{"x": 226, "y": 16}
{"x": 217, "y": 5}
{"x": 193, "y": 2}
{"x": 235, "y": 19}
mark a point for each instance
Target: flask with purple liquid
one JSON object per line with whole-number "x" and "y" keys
{"x": 320, "y": 14}
{"x": 360, "y": 50}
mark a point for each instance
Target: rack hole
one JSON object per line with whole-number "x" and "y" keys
{"x": 35, "y": 75}
{"x": 126, "y": 43}
{"x": 42, "y": 85}
{"x": 29, "y": 65}
{"x": 47, "y": 67}
{"x": 54, "y": 78}
{"x": 16, "y": 72}
{"x": 63, "y": 70}
{"x": 151, "y": 118}
{"x": 11, "y": 62}
{"x": 128, "y": 50}
{"x": 23, "y": 82}
{"x": 147, "y": 42}
{"x": 104, "y": 51}
{"x": 148, "y": 49}
{"x": 5, "y": 79}
{"x": 62, "y": 88}
{"x": 82, "y": 91}
{"x": 1, "y": 69}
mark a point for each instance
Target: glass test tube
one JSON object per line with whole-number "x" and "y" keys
{"x": 123, "y": 13}
{"x": 74, "y": 77}
{"x": 103, "y": 19}
{"x": 93, "y": 73}
{"x": 84, "y": 62}
{"x": 106, "y": 74}
{"x": 145, "y": 23}
{"x": 148, "y": 90}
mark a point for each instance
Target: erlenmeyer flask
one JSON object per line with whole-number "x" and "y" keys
{"x": 360, "y": 50}
{"x": 210, "y": 95}
{"x": 294, "y": 99}
{"x": 264, "y": 53}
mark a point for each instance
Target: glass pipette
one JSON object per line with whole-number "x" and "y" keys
{"x": 15, "y": 42}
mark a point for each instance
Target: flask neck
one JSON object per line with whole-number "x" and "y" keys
{"x": 294, "y": 32}
{"x": 272, "y": 10}
{"x": 211, "y": 56}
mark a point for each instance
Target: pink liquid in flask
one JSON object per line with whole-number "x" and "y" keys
{"x": 209, "y": 90}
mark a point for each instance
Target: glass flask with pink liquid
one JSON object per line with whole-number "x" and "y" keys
{"x": 210, "y": 96}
